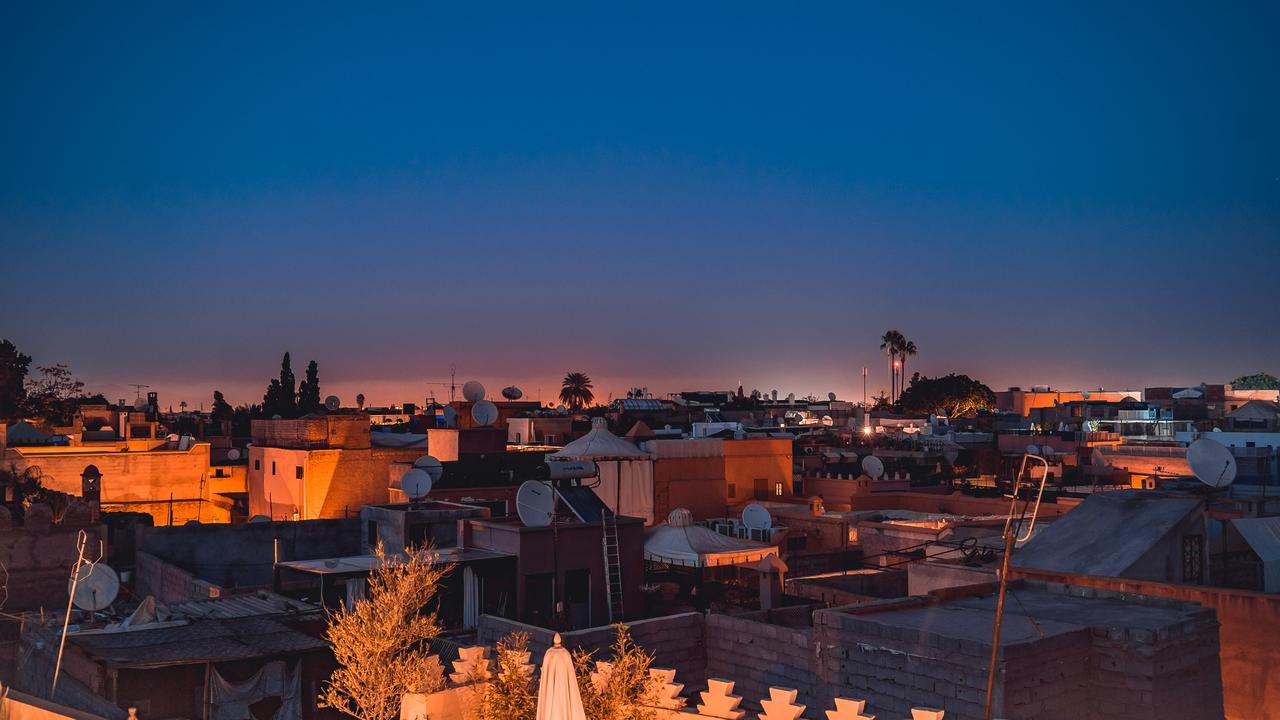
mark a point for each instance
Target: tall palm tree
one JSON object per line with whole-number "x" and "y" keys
{"x": 905, "y": 350}
{"x": 575, "y": 390}
{"x": 890, "y": 342}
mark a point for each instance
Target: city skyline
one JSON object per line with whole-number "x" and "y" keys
{"x": 1073, "y": 196}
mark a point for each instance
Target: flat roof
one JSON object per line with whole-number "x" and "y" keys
{"x": 208, "y": 640}
{"x": 368, "y": 563}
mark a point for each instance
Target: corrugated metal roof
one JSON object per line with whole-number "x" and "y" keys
{"x": 201, "y": 641}
{"x": 249, "y": 605}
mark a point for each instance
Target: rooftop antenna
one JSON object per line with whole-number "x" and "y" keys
{"x": 137, "y": 389}
{"x": 1013, "y": 533}
{"x": 91, "y": 587}
{"x": 453, "y": 381}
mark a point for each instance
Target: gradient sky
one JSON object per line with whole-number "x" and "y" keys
{"x": 675, "y": 196}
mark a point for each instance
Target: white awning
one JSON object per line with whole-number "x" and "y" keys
{"x": 697, "y": 546}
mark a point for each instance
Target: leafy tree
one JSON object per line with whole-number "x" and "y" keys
{"x": 509, "y": 694}
{"x": 1256, "y": 381}
{"x": 381, "y": 642}
{"x": 622, "y": 688}
{"x": 221, "y": 411}
{"x": 576, "y": 390}
{"x": 54, "y": 395}
{"x": 13, "y": 376}
{"x": 309, "y": 391}
{"x": 281, "y": 397}
{"x": 951, "y": 395}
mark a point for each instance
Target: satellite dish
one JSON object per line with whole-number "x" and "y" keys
{"x": 562, "y": 409}
{"x": 873, "y": 466}
{"x": 1033, "y": 449}
{"x": 259, "y": 519}
{"x": 473, "y": 391}
{"x": 535, "y": 503}
{"x": 332, "y": 403}
{"x": 831, "y": 396}
{"x": 96, "y": 587}
{"x": 1084, "y": 394}
{"x": 756, "y": 517}
{"x": 1212, "y": 463}
{"x": 828, "y": 420}
{"x": 139, "y": 404}
{"x": 450, "y": 417}
{"x": 484, "y": 413}
{"x": 233, "y": 454}
{"x": 276, "y": 417}
{"x": 1048, "y": 450}
{"x": 430, "y": 466}
{"x": 512, "y": 392}
{"x": 416, "y": 484}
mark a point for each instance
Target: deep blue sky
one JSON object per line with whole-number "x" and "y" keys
{"x": 670, "y": 195}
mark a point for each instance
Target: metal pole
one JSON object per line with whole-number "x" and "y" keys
{"x": 995, "y": 634}
{"x": 81, "y": 540}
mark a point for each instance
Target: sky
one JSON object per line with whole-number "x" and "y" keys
{"x": 675, "y": 196}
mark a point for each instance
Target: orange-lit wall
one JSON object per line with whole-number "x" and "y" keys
{"x": 334, "y": 484}
{"x": 1023, "y": 402}
{"x": 748, "y": 462}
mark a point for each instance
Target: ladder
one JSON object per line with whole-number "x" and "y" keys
{"x": 612, "y": 565}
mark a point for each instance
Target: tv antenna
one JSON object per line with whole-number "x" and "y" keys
{"x": 1013, "y": 534}
{"x": 137, "y": 389}
{"x": 91, "y": 587}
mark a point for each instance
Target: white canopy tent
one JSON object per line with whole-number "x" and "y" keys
{"x": 679, "y": 542}
{"x": 626, "y": 471}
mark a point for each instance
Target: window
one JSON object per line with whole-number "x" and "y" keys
{"x": 257, "y": 464}
{"x": 777, "y": 489}
{"x": 733, "y": 490}
{"x": 273, "y": 467}
{"x": 297, "y": 472}
{"x": 1192, "y": 563}
{"x": 371, "y": 533}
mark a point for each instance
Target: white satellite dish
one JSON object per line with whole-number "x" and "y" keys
{"x": 1212, "y": 463}
{"x": 233, "y": 454}
{"x": 872, "y": 466}
{"x": 831, "y": 396}
{"x": 1033, "y": 449}
{"x": 535, "y": 503}
{"x": 484, "y": 413}
{"x": 1048, "y": 450}
{"x": 473, "y": 391}
{"x": 828, "y": 420}
{"x": 512, "y": 392}
{"x": 1085, "y": 394}
{"x": 756, "y": 517}
{"x": 96, "y": 586}
{"x": 332, "y": 403}
{"x": 416, "y": 484}
{"x": 430, "y": 466}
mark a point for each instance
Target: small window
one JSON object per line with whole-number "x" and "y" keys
{"x": 257, "y": 464}
{"x": 297, "y": 472}
{"x": 371, "y": 533}
{"x": 273, "y": 467}
{"x": 777, "y": 489}
{"x": 733, "y": 490}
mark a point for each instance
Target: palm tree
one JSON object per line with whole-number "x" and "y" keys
{"x": 906, "y": 350}
{"x": 890, "y": 342}
{"x": 575, "y": 390}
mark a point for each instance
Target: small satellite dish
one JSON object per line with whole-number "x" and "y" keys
{"x": 756, "y": 517}
{"x": 473, "y": 391}
{"x": 416, "y": 484}
{"x": 1048, "y": 450}
{"x": 276, "y": 417}
{"x": 873, "y": 466}
{"x": 511, "y": 392}
{"x": 535, "y": 503}
{"x": 430, "y": 466}
{"x": 332, "y": 403}
{"x": 172, "y": 437}
{"x": 831, "y": 396}
{"x": 140, "y": 404}
{"x": 259, "y": 519}
{"x": 96, "y": 587}
{"x": 1212, "y": 463}
{"x": 1033, "y": 449}
{"x": 562, "y": 409}
{"x": 233, "y": 454}
{"x": 828, "y": 420}
{"x": 484, "y": 413}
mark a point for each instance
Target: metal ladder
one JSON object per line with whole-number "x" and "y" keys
{"x": 612, "y": 566}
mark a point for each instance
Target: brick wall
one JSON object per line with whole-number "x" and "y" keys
{"x": 758, "y": 655}
{"x": 169, "y": 583}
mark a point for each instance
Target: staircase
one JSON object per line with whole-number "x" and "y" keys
{"x": 612, "y": 566}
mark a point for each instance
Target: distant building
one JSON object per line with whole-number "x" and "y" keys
{"x": 1022, "y": 401}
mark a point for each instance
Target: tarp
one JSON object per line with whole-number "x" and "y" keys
{"x": 1263, "y": 536}
{"x": 625, "y": 482}
{"x": 697, "y": 546}
{"x": 231, "y": 701}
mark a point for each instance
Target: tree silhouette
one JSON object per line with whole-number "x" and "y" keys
{"x": 575, "y": 390}
{"x": 281, "y": 397}
{"x": 221, "y": 411}
{"x": 309, "y": 390}
{"x": 13, "y": 376}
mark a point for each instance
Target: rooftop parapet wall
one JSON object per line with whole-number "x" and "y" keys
{"x": 349, "y": 432}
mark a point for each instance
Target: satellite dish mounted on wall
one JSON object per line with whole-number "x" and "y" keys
{"x": 484, "y": 413}
{"x": 96, "y": 586}
{"x": 416, "y": 484}
{"x": 873, "y": 467}
{"x": 1212, "y": 463}
{"x": 535, "y": 503}
{"x": 473, "y": 391}
{"x": 757, "y": 517}
{"x": 332, "y": 403}
{"x": 233, "y": 454}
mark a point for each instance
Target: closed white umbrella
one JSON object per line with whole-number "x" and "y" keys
{"x": 558, "y": 696}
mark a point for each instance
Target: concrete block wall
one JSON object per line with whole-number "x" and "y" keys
{"x": 1166, "y": 673}
{"x": 757, "y": 656}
